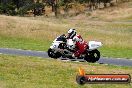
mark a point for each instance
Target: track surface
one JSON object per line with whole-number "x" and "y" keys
{"x": 113, "y": 61}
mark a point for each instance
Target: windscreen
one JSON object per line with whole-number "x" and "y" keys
{"x": 61, "y": 38}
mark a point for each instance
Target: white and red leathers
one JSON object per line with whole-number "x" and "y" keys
{"x": 80, "y": 44}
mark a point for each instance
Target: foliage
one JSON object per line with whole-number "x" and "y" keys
{"x": 8, "y": 8}
{"x": 23, "y": 10}
{"x": 12, "y": 7}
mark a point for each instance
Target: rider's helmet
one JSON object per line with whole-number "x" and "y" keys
{"x": 71, "y": 33}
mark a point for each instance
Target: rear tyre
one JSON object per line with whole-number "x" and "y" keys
{"x": 52, "y": 54}
{"x": 92, "y": 56}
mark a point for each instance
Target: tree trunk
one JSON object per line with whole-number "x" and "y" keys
{"x": 56, "y": 8}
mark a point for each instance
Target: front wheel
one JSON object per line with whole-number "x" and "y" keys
{"x": 92, "y": 56}
{"x": 52, "y": 54}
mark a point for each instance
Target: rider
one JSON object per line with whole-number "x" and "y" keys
{"x": 79, "y": 42}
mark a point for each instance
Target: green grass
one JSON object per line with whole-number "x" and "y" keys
{"x": 31, "y": 72}
{"x": 24, "y": 43}
{"x": 116, "y": 52}
{"x": 30, "y": 44}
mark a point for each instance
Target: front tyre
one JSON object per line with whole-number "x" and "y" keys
{"x": 52, "y": 54}
{"x": 92, "y": 56}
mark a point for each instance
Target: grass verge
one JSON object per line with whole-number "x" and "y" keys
{"x": 32, "y": 72}
{"x": 24, "y": 43}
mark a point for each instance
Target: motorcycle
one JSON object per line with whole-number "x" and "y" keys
{"x": 63, "y": 47}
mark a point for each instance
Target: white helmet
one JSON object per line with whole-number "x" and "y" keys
{"x": 71, "y": 33}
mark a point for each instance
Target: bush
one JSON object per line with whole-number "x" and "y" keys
{"x": 23, "y": 10}
{"x": 8, "y": 9}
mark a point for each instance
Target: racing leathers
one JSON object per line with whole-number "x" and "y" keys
{"x": 80, "y": 44}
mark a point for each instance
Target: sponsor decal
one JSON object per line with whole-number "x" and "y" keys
{"x": 83, "y": 78}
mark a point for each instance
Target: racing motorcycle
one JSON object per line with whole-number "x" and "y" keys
{"x": 63, "y": 47}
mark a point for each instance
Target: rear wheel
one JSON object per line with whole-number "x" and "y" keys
{"x": 92, "y": 56}
{"x": 52, "y": 54}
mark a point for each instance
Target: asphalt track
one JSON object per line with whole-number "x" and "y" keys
{"x": 43, "y": 54}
